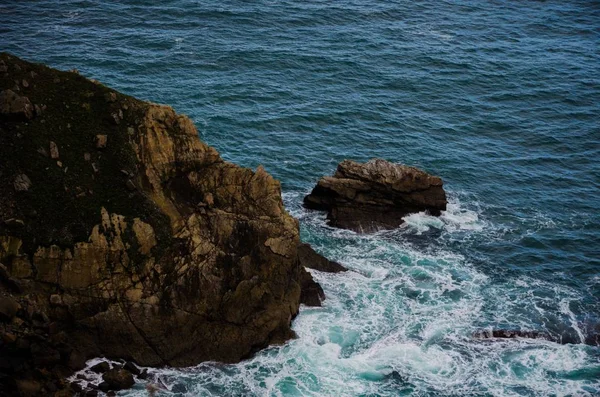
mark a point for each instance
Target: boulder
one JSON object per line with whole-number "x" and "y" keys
{"x": 22, "y": 183}
{"x": 131, "y": 367}
{"x": 8, "y": 308}
{"x": 101, "y": 367}
{"x": 375, "y": 195}
{"x": 14, "y": 107}
{"x": 118, "y": 379}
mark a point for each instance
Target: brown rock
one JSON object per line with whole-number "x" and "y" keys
{"x": 310, "y": 258}
{"x": 22, "y": 183}
{"x": 118, "y": 379}
{"x": 15, "y": 107}
{"x": 110, "y": 97}
{"x": 101, "y": 367}
{"x": 101, "y": 141}
{"x": 8, "y": 308}
{"x": 28, "y": 387}
{"x": 312, "y": 293}
{"x": 76, "y": 361}
{"x": 131, "y": 367}
{"x": 53, "y": 151}
{"x": 3, "y": 67}
{"x": 375, "y": 195}
{"x": 55, "y": 300}
{"x": 209, "y": 199}
{"x": 9, "y": 338}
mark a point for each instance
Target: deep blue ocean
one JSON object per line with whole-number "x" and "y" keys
{"x": 499, "y": 98}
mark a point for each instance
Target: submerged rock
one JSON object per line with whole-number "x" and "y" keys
{"x": 145, "y": 274}
{"x": 375, "y": 195}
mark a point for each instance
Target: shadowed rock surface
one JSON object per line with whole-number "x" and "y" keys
{"x": 375, "y": 195}
{"x": 123, "y": 235}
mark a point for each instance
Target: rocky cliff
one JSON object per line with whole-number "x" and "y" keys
{"x": 122, "y": 234}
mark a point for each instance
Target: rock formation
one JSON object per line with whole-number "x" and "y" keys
{"x": 123, "y": 235}
{"x": 375, "y": 195}
{"x": 591, "y": 337}
{"x": 311, "y": 259}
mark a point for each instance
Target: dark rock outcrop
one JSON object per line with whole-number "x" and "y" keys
{"x": 311, "y": 259}
{"x": 118, "y": 379}
{"x": 511, "y": 334}
{"x": 312, "y": 293}
{"x": 101, "y": 367}
{"x": 591, "y": 337}
{"x": 375, "y": 195}
{"x": 139, "y": 242}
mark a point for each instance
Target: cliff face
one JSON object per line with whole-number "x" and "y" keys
{"x": 129, "y": 236}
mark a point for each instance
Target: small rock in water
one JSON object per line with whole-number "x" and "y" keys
{"x": 101, "y": 367}
{"x": 143, "y": 374}
{"x": 118, "y": 379}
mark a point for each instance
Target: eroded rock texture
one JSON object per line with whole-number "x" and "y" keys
{"x": 122, "y": 234}
{"x": 375, "y": 195}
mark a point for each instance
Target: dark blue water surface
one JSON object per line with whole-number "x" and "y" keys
{"x": 499, "y": 98}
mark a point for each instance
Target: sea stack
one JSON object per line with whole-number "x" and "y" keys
{"x": 123, "y": 235}
{"x": 376, "y": 195}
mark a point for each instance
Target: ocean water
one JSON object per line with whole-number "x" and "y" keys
{"x": 499, "y": 98}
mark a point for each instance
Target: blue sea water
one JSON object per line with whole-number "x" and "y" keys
{"x": 499, "y": 98}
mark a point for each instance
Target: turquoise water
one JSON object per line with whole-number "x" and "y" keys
{"x": 500, "y": 98}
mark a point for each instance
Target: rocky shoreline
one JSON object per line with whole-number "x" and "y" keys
{"x": 123, "y": 235}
